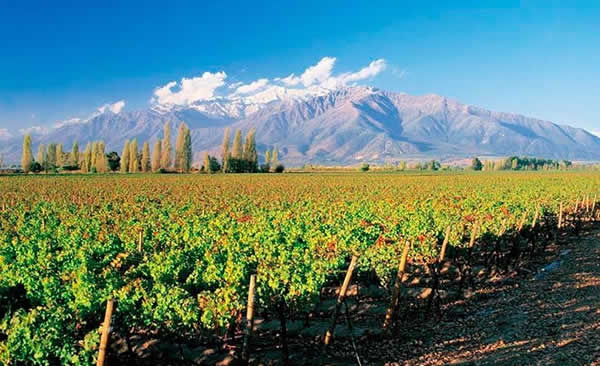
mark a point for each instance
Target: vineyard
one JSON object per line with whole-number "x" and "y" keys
{"x": 175, "y": 254}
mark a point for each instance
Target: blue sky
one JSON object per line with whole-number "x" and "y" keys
{"x": 61, "y": 60}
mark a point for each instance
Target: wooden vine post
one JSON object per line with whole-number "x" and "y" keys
{"x": 140, "y": 240}
{"x": 474, "y": 234}
{"x": 249, "y": 319}
{"x": 105, "y": 332}
{"x": 560, "y": 216}
{"x": 522, "y": 222}
{"x": 444, "y": 244}
{"x": 535, "y": 216}
{"x": 340, "y": 299}
{"x": 397, "y": 286}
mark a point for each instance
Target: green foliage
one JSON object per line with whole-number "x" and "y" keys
{"x": 67, "y": 244}
{"x": 114, "y": 161}
{"x": 365, "y": 167}
{"x": 476, "y": 164}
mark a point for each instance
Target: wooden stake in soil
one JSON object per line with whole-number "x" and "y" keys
{"x": 249, "y": 319}
{"x": 140, "y": 240}
{"x": 522, "y": 223}
{"x": 444, "y": 244}
{"x": 474, "y": 234}
{"x": 560, "y": 216}
{"x": 105, "y": 332}
{"x": 535, "y": 216}
{"x": 397, "y": 286}
{"x": 340, "y": 299}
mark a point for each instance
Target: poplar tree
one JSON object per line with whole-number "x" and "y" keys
{"x": 250, "y": 154}
{"x": 86, "y": 162}
{"x": 187, "y": 151}
{"x": 166, "y": 149}
{"x": 101, "y": 160}
{"x": 125, "y": 158}
{"x": 146, "y": 157}
{"x": 94, "y": 154}
{"x": 275, "y": 156}
{"x": 156, "y": 156}
{"x": 27, "y": 156}
{"x": 51, "y": 156}
{"x": 60, "y": 156}
{"x": 225, "y": 153}
{"x": 74, "y": 155}
{"x": 179, "y": 153}
{"x": 268, "y": 157}
{"x": 237, "y": 151}
{"x": 206, "y": 162}
{"x": 41, "y": 156}
{"x": 133, "y": 156}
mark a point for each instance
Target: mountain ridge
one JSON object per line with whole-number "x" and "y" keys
{"x": 341, "y": 126}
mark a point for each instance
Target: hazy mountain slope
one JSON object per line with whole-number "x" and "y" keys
{"x": 340, "y": 127}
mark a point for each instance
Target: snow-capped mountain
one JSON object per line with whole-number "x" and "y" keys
{"x": 340, "y": 126}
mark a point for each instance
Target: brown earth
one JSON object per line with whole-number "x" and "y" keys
{"x": 544, "y": 316}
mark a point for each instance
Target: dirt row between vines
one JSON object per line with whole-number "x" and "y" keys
{"x": 546, "y": 314}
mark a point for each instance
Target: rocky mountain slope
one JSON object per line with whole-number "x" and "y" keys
{"x": 343, "y": 126}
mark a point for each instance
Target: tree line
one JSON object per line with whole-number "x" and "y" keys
{"x": 94, "y": 159}
{"x": 520, "y": 163}
{"x": 239, "y": 158}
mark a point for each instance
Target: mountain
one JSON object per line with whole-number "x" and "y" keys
{"x": 341, "y": 126}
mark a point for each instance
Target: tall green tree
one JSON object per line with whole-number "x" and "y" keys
{"x": 146, "y": 157}
{"x": 101, "y": 160}
{"x": 156, "y": 154}
{"x": 60, "y": 156}
{"x": 86, "y": 162}
{"x": 133, "y": 156}
{"x": 250, "y": 154}
{"x": 74, "y": 157}
{"x": 268, "y": 157}
{"x": 179, "y": 149}
{"x": 125, "y": 158}
{"x": 225, "y": 153}
{"x": 27, "y": 156}
{"x": 275, "y": 156}
{"x": 238, "y": 150}
{"x": 188, "y": 155}
{"x": 93, "y": 155}
{"x": 41, "y": 156}
{"x": 206, "y": 164}
{"x": 51, "y": 156}
{"x": 166, "y": 149}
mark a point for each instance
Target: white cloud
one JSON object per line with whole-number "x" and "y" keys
{"x": 290, "y": 80}
{"x": 190, "y": 90}
{"x": 4, "y": 134}
{"x": 234, "y": 85}
{"x": 35, "y": 130}
{"x": 317, "y": 79}
{"x": 115, "y": 107}
{"x": 252, "y": 87}
{"x": 318, "y": 73}
{"x": 373, "y": 69}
